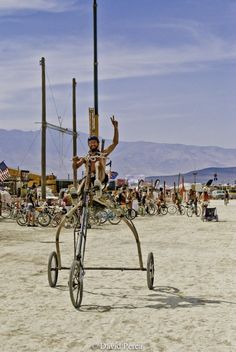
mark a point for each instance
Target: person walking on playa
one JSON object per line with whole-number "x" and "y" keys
{"x": 205, "y": 199}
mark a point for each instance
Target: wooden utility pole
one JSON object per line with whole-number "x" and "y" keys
{"x": 44, "y": 125}
{"x": 74, "y": 129}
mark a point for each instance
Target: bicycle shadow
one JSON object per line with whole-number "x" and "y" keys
{"x": 161, "y": 297}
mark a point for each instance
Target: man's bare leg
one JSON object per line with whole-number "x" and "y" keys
{"x": 100, "y": 175}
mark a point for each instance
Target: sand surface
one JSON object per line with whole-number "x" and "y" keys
{"x": 191, "y": 308}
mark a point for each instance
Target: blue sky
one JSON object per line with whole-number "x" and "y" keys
{"x": 167, "y": 69}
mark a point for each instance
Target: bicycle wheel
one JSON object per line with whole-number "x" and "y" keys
{"x": 164, "y": 210}
{"x": 113, "y": 218}
{"x": 44, "y": 219}
{"x": 21, "y": 219}
{"x": 6, "y": 212}
{"x": 55, "y": 221}
{"x": 172, "y": 209}
{"x": 102, "y": 216}
{"x": 130, "y": 214}
{"x": 181, "y": 209}
{"x": 76, "y": 284}
{"x": 152, "y": 209}
{"x": 189, "y": 212}
{"x": 70, "y": 222}
{"x": 150, "y": 271}
{"x": 52, "y": 269}
{"x": 141, "y": 210}
{"x": 199, "y": 211}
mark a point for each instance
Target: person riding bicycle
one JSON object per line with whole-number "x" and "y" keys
{"x": 98, "y": 160}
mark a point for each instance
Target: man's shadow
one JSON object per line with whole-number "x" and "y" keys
{"x": 161, "y": 297}
{"x": 166, "y": 297}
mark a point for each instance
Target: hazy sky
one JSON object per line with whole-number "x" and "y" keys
{"x": 167, "y": 68}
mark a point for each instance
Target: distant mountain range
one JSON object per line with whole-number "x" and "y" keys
{"x": 139, "y": 159}
{"x": 217, "y": 175}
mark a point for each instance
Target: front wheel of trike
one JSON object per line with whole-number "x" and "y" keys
{"x": 76, "y": 284}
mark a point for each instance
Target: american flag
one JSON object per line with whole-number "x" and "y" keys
{"x": 113, "y": 175}
{"x": 4, "y": 173}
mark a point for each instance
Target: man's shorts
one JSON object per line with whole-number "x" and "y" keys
{"x": 30, "y": 208}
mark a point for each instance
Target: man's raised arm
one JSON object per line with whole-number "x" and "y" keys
{"x": 111, "y": 147}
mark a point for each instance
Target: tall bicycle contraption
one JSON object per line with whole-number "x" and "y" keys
{"x": 78, "y": 269}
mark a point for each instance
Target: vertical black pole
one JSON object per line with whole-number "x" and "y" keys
{"x": 94, "y": 123}
{"x": 74, "y": 129}
{"x": 95, "y": 57}
{"x": 44, "y": 126}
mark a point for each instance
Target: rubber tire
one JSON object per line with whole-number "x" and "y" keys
{"x": 114, "y": 221}
{"x": 21, "y": 220}
{"x": 74, "y": 273}
{"x": 132, "y": 214}
{"x": 44, "y": 219}
{"x": 163, "y": 210}
{"x": 172, "y": 209}
{"x": 6, "y": 212}
{"x": 56, "y": 219}
{"x": 71, "y": 222}
{"x": 199, "y": 211}
{"x": 150, "y": 271}
{"x": 189, "y": 212}
{"x": 102, "y": 216}
{"x": 182, "y": 207}
{"x": 152, "y": 209}
{"x": 52, "y": 280}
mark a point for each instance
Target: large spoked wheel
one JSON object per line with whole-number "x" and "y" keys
{"x": 181, "y": 210}
{"x": 199, "y": 211}
{"x": 102, "y": 216}
{"x": 152, "y": 209}
{"x": 172, "y": 209}
{"x": 164, "y": 210}
{"x": 130, "y": 214}
{"x": 21, "y": 219}
{"x": 189, "y": 212}
{"x": 44, "y": 219}
{"x": 76, "y": 284}
{"x": 113, "y": 218}
{"x": 150, "y": 271}
{"x": 56, "y": 219}
{"x": 52, "y": 269}
{"x": 6, "y": 212}
{"x": 70, "y": 222}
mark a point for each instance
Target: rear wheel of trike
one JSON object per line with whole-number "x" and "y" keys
{"x": 52, "y": 269}
{"x": 76, "y": 284}
{"x": 150, "y": 271}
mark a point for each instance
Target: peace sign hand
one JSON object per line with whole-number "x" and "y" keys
{"x": 114, "y": 122}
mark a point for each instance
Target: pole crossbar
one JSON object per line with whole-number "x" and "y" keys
{"x": 61, "y": 129}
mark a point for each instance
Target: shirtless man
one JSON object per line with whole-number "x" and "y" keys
{"x": 98, "y": 165}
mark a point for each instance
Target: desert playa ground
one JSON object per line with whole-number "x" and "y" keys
{"x": 191, "y": 308}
